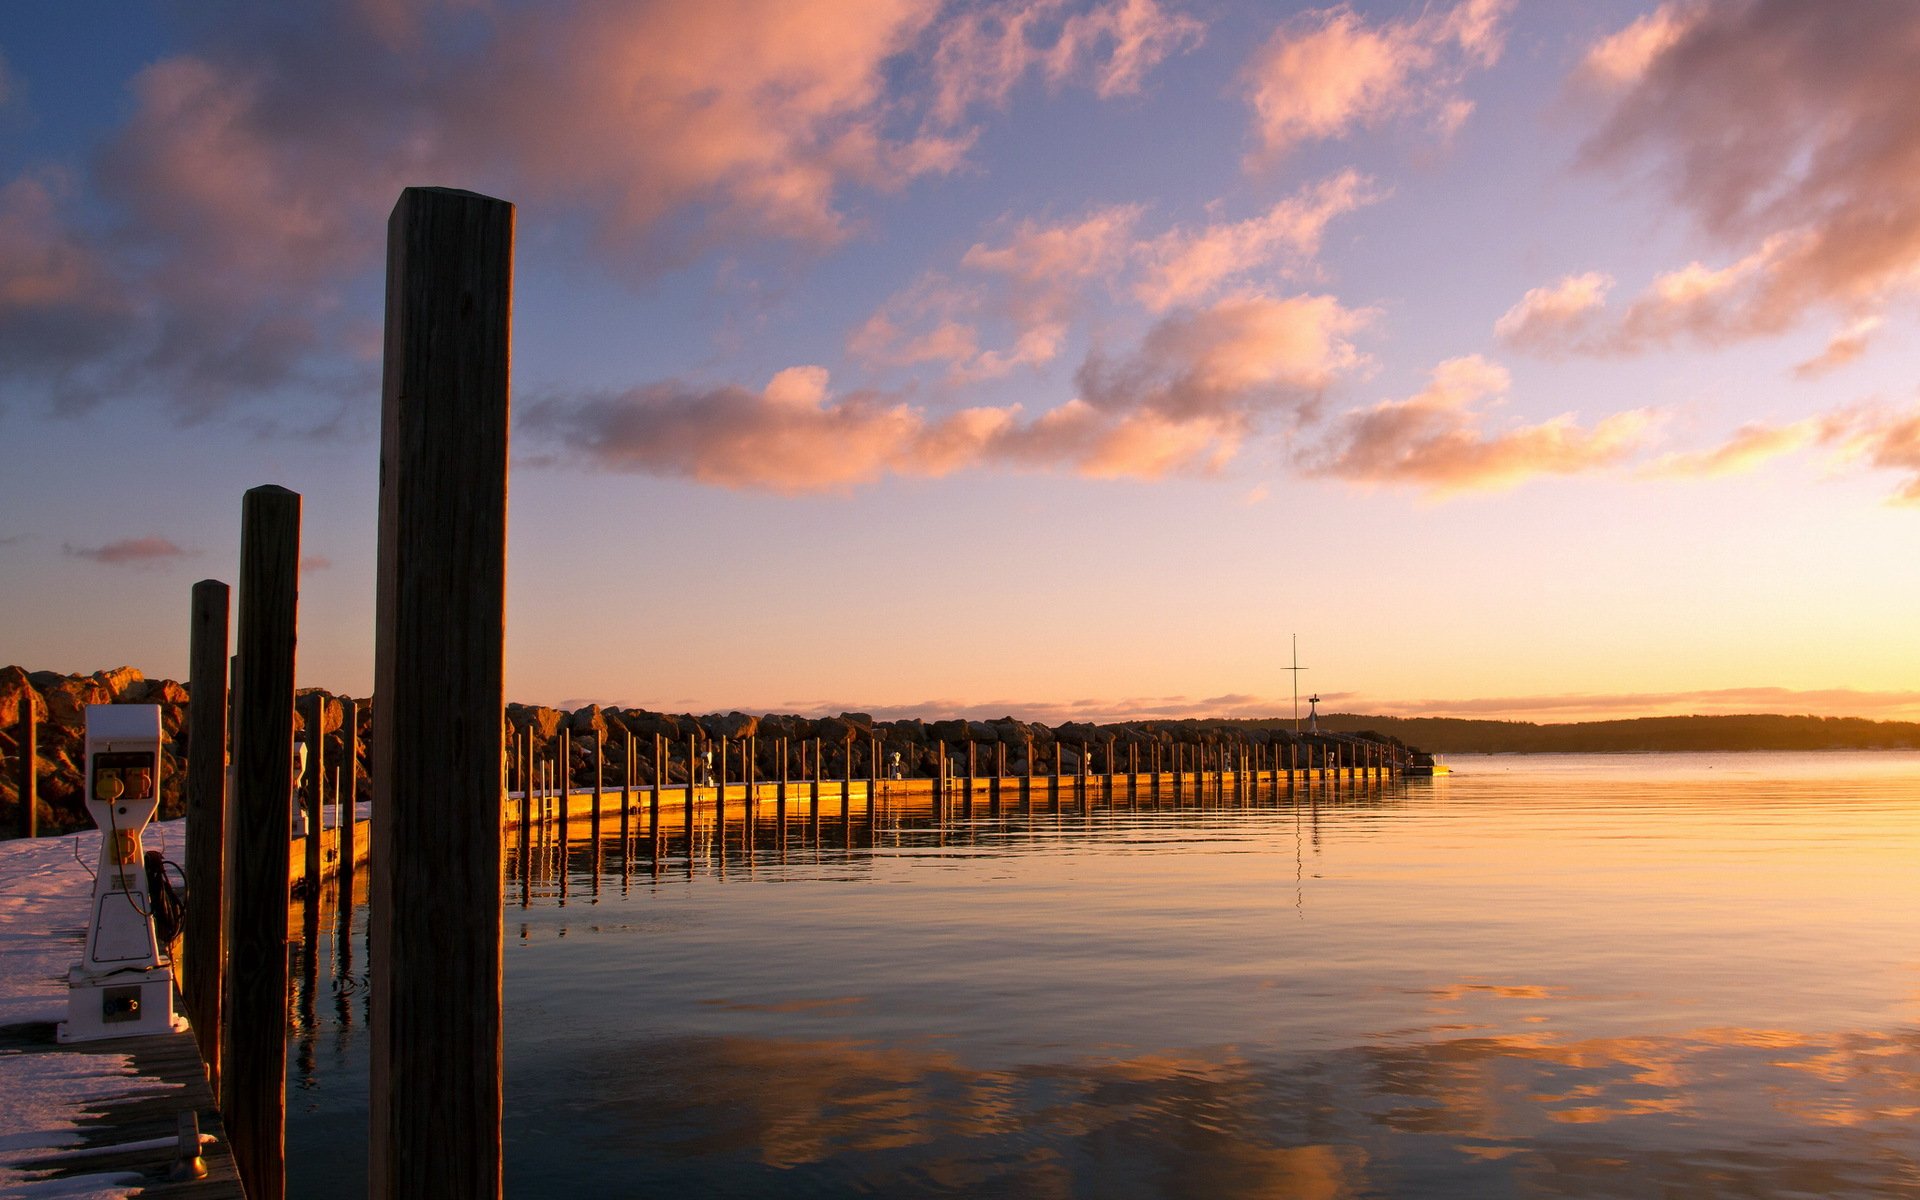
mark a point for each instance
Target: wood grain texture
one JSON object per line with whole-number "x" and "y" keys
{"x": 435, "y": 1053}
{"x": 254, "y": 1054}
{"x": 205, "y": 935}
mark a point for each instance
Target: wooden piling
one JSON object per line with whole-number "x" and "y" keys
{"x": 204, "y": 933}
{"x": 846, "y": 787}
{"x": 813, "y": 781}
{"x": 659, "y": 785}
{"x": 435, "y": 1054}
{"x": 29, "y": 764}
{"x": 693, "y": 773}
{"x": 629, "y": 761}
{"x": 720, "y": 794}
{"x": 254, "y": 1054}
{"x": 599, "y": 785}
{"x": 316, "y": 790}
{"x": 349, "y": 799}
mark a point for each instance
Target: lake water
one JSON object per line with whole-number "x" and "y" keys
{"x": 1619, "y": 976}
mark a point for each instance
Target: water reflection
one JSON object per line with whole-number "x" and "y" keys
{"x": 1679, "y": 981}
{"x": 1720, "y": 1112}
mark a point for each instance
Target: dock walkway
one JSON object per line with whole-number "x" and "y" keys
{"x": 130, "y": 1136}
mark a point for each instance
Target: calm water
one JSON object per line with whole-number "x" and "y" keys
{"x": 1633, "y": 976}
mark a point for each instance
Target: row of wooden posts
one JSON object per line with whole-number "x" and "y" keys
{"x": 434, "y": 929}
{"x": 549, "y": 768}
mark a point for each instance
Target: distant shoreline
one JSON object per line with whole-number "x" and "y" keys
{"x": 1713, "y": 734}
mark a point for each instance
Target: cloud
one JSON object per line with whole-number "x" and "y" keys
{"x": 1180, "y": 265}
{"x": 1434, "y": 440}
{"x": 1879, "y": 437}
{"x": 984, "y": 52}
{"x": 1182, "y": 401}
{"x": 1329, "y": 70}
{"x": 59, "y": 301}
{"x": 208, "y": 251}
{"x": 1750, "y": 447}
{"x": 1842, "y": 348}
{"x": 310, "y": 563}
{"x": 1622, "y": 58}
{"x": 1032, "y": 281}
{"x": 134, "y": 552}
{"x": 1884, "y": 438}
{"x": 1549, "y": 318}
{"x": 1786, "y": 131}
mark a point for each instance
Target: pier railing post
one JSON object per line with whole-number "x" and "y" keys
{"x": 316, "y": 793}
{"x": 254, "y": 1057}
{"x": 349, "y": 799}
{"x": 205, "y": 932}
{"x": 29, "y": 765}
{"x": 435, "y": 1056}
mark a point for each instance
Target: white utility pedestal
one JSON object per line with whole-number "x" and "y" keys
{"x": 123, "y": 987}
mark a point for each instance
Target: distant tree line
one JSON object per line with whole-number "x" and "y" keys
{"x": 1760, "y": 731}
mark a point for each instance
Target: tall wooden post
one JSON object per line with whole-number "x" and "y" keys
{"x": 847, "y": 786}
{"x": 435, "y": 1056}
{"x": 29, "y": 765}
{"x": 349, "y": 798}
{"x": 693, "y": 773}
{"x": 630, "y": 761}
{"x": 1055, "y": 797}
{"x": 316, "y": 794}
{"x": 254, "y": 1057}
{"x": 780, "y": 797}
{"x": 1026, "y": 785}
{"x": 659, "y": 785}
{"x": 599, "y": 784}
{"x": 720, "y": 792}
{"x": 205, "y": 947}
{"x": 813, "y": 815}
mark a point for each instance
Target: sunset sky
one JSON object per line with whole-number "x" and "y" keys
{"x": 1538, "y": 360}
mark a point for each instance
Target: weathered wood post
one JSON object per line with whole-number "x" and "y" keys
{"x": 813, "y": 779}
{"x": 847, "y": 784}
{"x": 29, "y": 764}
{"x": 693, "y": 773}
{"x": 1026, "y": 784}
{"x": 720, "y": 792}
{"x": 940, "y": 782}
{"x": 659, "y": 785}
{"x": 599, "y": 785}
{"x": 1054, "y": 787}
{"x": 349, "y": 798}
{"x": 780, "y": 797}
{"x": 999, "y": 773}
{"x": 206, "y": 815}
{"x": 973, "y": 769}
{"x": 563, "y": 769}
{"x": 750, "y": 775}
{"x": 254, "y": 1056}
{"x": 316, "y": 792}
{"x": 435, "y": 1057}
{"x": 629, "y": 763}
{"x": 873, "y": 779}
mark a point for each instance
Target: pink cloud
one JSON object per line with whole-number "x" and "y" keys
{"x": 1183, "y": 265}
{"x": 1182, "y": 401}
{"x": 984, "y": 52}
{"x": 1330, "y": 70}
{"x": 1883, "y": 438}
{"x": 134, "y": 552}
{"x": 1751, "y": 447}
{"x": 1786, "y": 131}
{"x": 1843, "y": 347}
{"x": 1434, "y": 440}
{"x": 1033, "y": 282}
{"x": 249, "y": 185}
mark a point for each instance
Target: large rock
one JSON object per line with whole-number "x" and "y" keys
{"x": 67, "y": 700}
{"x": 15, "y": 684}
{"x": 730, "y": 725}
{"x": 587, "y": 721}
{"x": 119, "y": 679}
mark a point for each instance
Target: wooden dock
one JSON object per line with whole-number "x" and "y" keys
{"x": 136, "y": 1135}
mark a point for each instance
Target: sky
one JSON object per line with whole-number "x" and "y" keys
{"x": 1061, "y": 358}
